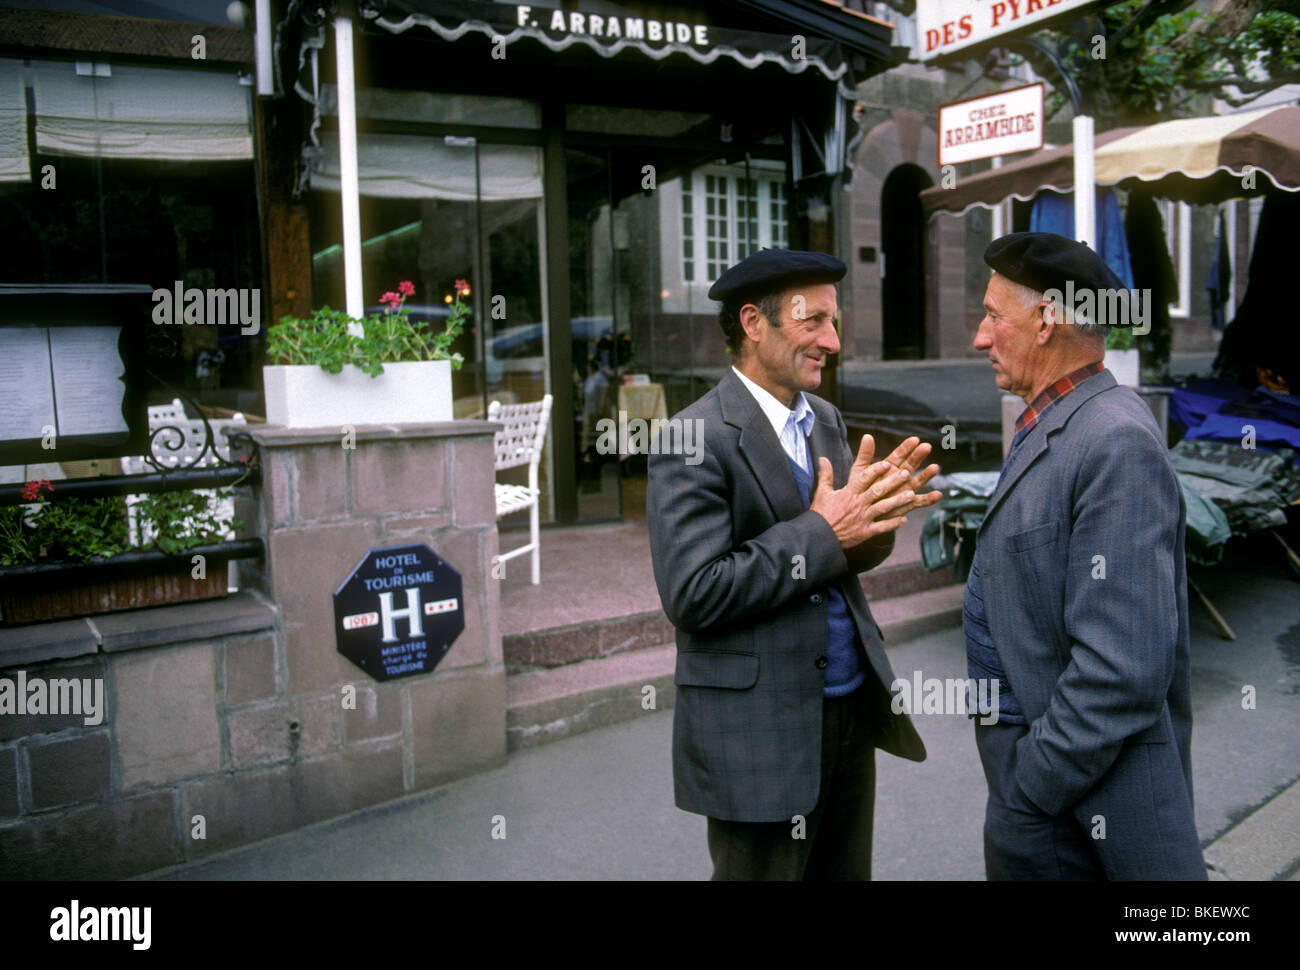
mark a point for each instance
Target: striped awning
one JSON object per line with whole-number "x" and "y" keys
{"x": 1196, "y": 160}
{"x": 611, "y": 34}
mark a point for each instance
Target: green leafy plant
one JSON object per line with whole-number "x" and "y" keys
{"x": 387, "y": 337}
{"x": 87, "y": 529}
{"x": 322, "y": 338}
{"x": 1120, "y": 338}
{"x": 1165, "y": 60}
{"x": 18, "y": 543}
{"x": 82, "y": 529}
{"x": 182, "y": 520}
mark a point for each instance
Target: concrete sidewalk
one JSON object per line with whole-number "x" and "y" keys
{"x": 600, "y": 806}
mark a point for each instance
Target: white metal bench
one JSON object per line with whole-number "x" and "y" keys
{"x": 520, "y": 443}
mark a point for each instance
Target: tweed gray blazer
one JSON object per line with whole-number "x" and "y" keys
{"x": 741, "y": 569}
{"x": 1085, "y": 587}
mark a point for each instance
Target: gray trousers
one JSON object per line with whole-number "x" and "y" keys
{"x": 1020, "y": 840}
{"x": 836, "y": 842}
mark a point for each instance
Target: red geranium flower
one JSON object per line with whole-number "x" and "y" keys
{"x": 462, "y": 287}
{"x": 407, "y": 288}
{"x": 32, "y": 490}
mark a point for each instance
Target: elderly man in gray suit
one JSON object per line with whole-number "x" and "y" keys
{"x": 781, "y": 673}
{"x": 1077, "y": 597}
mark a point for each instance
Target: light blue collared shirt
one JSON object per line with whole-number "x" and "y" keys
{"x": 792, "y": 427}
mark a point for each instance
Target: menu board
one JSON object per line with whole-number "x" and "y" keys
{"x": 64, "y": 380}
{"x": 74, "y": 371}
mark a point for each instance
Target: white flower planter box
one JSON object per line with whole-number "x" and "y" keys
{"x": 1125, "y": 365}
{"x": 305, "y": 396}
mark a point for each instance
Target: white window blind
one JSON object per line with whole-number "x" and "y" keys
{"x": 414, "y": 167}
{"x": 14, "y": 163}
{"x": 141, "y": 112}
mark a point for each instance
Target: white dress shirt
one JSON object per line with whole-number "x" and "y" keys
{"x": 792, "y": 427}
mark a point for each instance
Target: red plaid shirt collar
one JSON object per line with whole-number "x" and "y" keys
{"x": 1025, "y": 423}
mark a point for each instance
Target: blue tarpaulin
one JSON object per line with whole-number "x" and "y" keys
{"x": 1220, "y": 410}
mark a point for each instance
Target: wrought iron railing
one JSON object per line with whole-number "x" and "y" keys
{"x": 180, "y": 463}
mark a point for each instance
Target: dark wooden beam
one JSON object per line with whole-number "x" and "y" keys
{"x": 555, "y": 199}
{"x": 286, "y": 231}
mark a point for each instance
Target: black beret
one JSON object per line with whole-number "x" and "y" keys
{"x": 773, "y": 270}
{"x": 1043, "y": 261}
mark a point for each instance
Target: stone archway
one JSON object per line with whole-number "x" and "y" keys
{"x": 902, "y": 255}
{"x": 904, "y": 139}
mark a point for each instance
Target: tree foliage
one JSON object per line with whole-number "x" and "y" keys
{"x": 1160, "y": 57}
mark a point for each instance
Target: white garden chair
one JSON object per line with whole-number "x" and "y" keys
{"x": 520, "y": 443}
{"x": 166, "y": 413}
{"x": 174, "y": 452}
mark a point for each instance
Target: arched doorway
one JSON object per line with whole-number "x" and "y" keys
{"x": 902, "y": 285}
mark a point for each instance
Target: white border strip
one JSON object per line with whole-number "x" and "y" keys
{"x": 611, "y": 50}
{"x": 1054, "y": 188}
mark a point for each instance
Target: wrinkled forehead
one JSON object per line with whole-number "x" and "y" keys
{"x": 1003, "y": 292}
{"x": 811, "y": 299}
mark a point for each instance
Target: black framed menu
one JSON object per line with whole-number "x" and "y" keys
{"x": 72, "y": 372}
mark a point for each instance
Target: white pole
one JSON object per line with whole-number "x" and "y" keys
{"x": 262, "y": 38}
{"x": 998, "y": 230}
{"x": 1085, "y": 183}
{"x": 348, "y": 181}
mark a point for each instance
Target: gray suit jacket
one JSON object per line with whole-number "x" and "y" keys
{"x": 1085, "y": 587}
{"x": 741, "y": 569}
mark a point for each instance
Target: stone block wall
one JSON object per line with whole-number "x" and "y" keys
{"x": 234, "y": 720}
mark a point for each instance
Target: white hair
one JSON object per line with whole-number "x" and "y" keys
{"x": 1027, "y": 297}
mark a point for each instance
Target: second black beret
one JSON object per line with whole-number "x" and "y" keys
{"x": 1045, "y": 260}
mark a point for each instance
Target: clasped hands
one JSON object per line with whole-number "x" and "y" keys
{"x": 878, "y": 495}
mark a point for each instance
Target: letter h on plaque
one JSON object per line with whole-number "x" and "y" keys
{"x": 411, "y": 614}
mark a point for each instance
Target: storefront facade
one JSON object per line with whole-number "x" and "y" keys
{"x": 590, "y": 171}
{"x": 589, "y": 196}
{"x": 589, "y": 168}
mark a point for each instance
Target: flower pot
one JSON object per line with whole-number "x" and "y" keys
{"x": 410, "y": 392}
{"x": 1125, "y": 365}
{"x": 84, "y": 592}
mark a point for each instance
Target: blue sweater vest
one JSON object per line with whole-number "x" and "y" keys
{"x": 846, "y": 670}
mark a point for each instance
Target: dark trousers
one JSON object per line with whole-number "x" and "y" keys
{"x": 836, "y": 835}
{"x": 1020, "y": 840}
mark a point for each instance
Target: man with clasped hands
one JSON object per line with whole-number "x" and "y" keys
{"x": 781, "y": 673}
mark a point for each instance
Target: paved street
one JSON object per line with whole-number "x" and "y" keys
{"x": 599, "y": 805}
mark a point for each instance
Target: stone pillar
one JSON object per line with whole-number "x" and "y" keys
{"x": 228, "y": 721}
{"x": 326, "y": 500}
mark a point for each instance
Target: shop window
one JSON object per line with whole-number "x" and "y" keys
{"x": 392, "y": 104}
{"x": 714, "y": 217}
{"x": 130, "y": 174}
{"x": 688, "y": 230}
{"x": 436, "y": 209}
{"x": 643, "y": 122}
{"x": 718, "y": 224}
{"x": 740, "y": 216}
